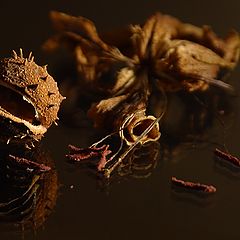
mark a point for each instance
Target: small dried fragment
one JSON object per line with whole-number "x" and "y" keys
{"x": 227, "y": 157}
{"x": 80, "y": 154}
{"x": 29, "y": 99}
{"x": 29, "y": 165}
{"x": 198, "y": 187}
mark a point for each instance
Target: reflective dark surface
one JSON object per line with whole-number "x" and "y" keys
{"x": 138, "y": 203}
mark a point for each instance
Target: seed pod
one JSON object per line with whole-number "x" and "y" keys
{"x": 29, "y": 99}
{"x": 136, "y": 125}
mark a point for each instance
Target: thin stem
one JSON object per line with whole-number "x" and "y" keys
{"x": 218, "y": 117}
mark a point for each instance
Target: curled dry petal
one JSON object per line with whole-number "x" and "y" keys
{"x": 79, "y": 154}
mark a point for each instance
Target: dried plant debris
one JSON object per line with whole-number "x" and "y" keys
{"x": 29, "y": 99}
{"x": 81, "y": 154}
{"x": 162, "y": 55}
{"x": 227, "y": 157}
{"x": 192, "y": 186}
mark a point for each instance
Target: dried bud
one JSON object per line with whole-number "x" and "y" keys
{"x": 132, "y": 128}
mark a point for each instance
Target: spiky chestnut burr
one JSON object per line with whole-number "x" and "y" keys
{"x": 29, "y": 100}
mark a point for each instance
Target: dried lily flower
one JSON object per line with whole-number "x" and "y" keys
{"x": 177, "y": 54}
{"x": 29, "y": 99}
{"x": 163, "y": 54}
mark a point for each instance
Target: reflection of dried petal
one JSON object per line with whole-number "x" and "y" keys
{"x": 29, "y": 165}
{"x": 199, "y": 187}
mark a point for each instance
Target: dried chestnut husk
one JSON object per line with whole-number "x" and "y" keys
{"x": 29, "y": 99}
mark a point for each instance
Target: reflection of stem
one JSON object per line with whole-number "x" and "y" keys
{"x": 108, "y": 171}
{"x": 35, "y": 179}
{"x": 218, "y": 117}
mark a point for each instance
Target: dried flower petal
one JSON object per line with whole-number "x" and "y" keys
{"x": 102, "y": 163}
{"x": 228, "y": 157}
{"x": 199, "y": 187}
{"x": 79, "y": 154}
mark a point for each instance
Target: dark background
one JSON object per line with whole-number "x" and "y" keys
{"x": 133, "y": 208}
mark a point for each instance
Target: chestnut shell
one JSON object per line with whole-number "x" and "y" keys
{"x": 30, "y": 99}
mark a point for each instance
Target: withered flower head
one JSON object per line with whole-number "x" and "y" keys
{"x": 177, "y": 54}
{"x": 29, "y": 99}
{"x": 129, "y": 65}
{"x": 163, "y": 52}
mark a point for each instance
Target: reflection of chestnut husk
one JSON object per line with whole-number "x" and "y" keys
{"x": 27, "y": 198}
{"x": 141, "y": 162}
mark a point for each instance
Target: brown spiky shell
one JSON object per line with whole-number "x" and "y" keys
{"x": 30, "y": 99}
